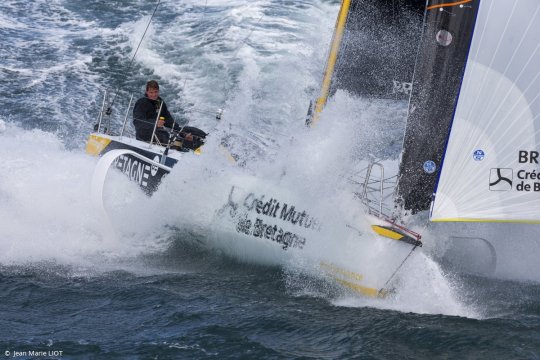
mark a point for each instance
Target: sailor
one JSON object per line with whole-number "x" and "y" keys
{"x": 145, "y": 114}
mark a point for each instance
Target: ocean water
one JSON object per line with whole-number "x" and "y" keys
{"x": 165, "y": 283}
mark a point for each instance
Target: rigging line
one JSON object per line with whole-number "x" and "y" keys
{"x": 109, "y": 109}
{"x": 243, "y": 42}
{"x": 202, "y": 19}
{"x": 399, "y": 267}
{"x": 205, "y": 112}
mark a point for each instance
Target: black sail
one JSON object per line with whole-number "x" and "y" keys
{"x": 444, "y": 48}
{"x": 373, "y": 51}
{"x": 378, "y": 49}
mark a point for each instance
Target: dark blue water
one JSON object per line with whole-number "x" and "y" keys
{"x": 158, "y": 292}
{"x": 196, "y": 305}
{"x": 192, "y": 304}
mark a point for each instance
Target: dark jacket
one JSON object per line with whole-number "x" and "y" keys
{"x": 145, "y": 114}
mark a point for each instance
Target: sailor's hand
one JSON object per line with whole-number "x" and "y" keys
{"x": 188, "y": 137}
{"x": 160, "y": 123}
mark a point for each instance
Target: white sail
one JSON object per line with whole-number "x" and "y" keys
{"x": 491, "y": 168}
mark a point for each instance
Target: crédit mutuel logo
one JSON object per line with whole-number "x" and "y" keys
{"x": 528, "y": 176}
{"x": 501, "y": 179}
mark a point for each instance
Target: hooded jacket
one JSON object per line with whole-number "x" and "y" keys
{"x": 145, "y": 114}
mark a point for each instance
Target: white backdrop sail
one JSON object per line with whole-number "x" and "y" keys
{"x": 491, "y": 168}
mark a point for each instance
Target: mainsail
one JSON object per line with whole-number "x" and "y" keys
{"x": 491, "y": 167}
{"x": 373, "y": 50}
{"x": 473, "y": 132}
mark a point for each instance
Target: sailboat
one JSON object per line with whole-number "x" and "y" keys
{"x": 471, "y": 144}
{"x": 275, "y": 219}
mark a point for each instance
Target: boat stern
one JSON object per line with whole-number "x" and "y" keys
{"x": 96, "y": 144}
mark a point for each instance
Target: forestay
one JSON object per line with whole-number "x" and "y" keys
{"x": 491, "y": 167}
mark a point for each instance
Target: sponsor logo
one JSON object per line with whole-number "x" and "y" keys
{"x": 154, "y": 168}
{"x": 135, "y": 169}
{"x": 530, "y": 157}
{"x": 444, "y": 37}
{"x": 478, "y": 155}
{"x": 500, "y": 179}
{"x": 527, "y": 182}
{"x": 271, "y": 219}
{"x": 430, "y": 167}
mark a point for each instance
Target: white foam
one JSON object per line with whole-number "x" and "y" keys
{"x": 243, "y": 60}
{"x": 45, "y": 208}
{"x": 310, "y": 174}
{"x": 7, "y": 23}
{"x": 422, "y": 288}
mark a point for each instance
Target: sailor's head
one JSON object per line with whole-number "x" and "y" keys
{"x": 152, "y": 89}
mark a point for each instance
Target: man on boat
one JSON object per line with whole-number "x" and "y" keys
{"x": 145, "y": 114}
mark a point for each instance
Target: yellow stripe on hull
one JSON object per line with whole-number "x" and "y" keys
{"x": 230, "y": 158}
{"x": 486, "y": 220}
{"x": 363, "y": 290}
{"x": 352, "y": 276}
{"x": 96, "y": 144}
{"x": 349, "y": 274}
